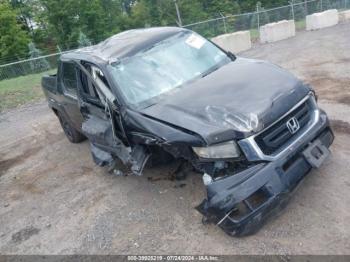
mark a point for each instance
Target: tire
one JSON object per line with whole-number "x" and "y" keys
{"x": 73, "y": 135}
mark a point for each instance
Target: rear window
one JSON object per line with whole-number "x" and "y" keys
{"x": 69, "y": 78}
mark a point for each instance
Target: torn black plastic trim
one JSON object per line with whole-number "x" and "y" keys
{"x": 240, "y": 204}
{"x": 100, "y": 156}
{"x": 138, "y": 159}
{"x": 147, "y": 139}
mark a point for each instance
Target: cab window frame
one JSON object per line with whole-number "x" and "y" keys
{"x": 71, "y": 92}
{"x": 95, "y": 99}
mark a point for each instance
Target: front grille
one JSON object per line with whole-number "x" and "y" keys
{"x": 277, "y": 135}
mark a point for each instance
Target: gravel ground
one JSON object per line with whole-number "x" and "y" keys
{"x": 54, "y": 200}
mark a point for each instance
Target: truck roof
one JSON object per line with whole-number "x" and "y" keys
{"x": 122, "y": 45}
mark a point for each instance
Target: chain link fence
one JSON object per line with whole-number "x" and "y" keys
{"x": 296, "y": 10}
{"x": 29, "y": 66}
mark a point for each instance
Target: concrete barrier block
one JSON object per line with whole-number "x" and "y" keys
{"x": 221, "y": 40}
{"x": 277, "y": 31}
{"x": 235, "y": 42}
{"x": 344, "y": 16}
{"x": 321, "y": 20}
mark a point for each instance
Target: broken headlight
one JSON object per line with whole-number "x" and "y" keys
{"x": 223, "y": 150}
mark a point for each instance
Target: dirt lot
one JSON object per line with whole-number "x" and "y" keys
{"x": 53, "y": 199}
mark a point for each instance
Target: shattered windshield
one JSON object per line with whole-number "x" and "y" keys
{"x": 165, "y": 66}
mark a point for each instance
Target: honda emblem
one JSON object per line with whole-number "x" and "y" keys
{"x": 293, "y": 125}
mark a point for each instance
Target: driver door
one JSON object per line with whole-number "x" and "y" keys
{"x": 101, "y": 119}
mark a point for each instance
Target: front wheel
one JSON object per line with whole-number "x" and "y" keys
{"x": 73, "y": 135}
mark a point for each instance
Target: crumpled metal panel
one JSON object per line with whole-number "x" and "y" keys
{"x": 234, "y": 102}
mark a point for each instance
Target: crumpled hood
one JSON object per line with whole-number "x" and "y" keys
{"x": 235, "y": 101}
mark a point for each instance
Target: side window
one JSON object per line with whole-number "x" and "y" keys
{"x": 92, "y": 94}
{"x": 88, "y": 87}
{"x": 89, "y": 91}
{"x": 69, "y": 78}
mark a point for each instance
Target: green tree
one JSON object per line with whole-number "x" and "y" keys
{"x": 250, "y": 6}
{"x": 162, "y": 12}
{"x": 26, "y": 10}
{"x": 191, "y": 11}
{"x": 218, "y": 7}
{"x": 13, "y": 39}
{"x": 115, "y": 15}
{"x": 37, "y": 64}
{"x": 127, "y": 5}
{"x": 140, "y": 14}
{"x": 53, "y": 22}
{"x": 98, "y": 19}
{"x": 62, "y": 21}
{"x": 93, "y": 20}
{"x": 83, "y": 40}
{"x": 260, "y": 19}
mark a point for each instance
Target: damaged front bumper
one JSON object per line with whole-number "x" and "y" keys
{"x": 241, "y": 203}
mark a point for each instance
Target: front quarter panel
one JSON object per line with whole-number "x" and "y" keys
{"x": 137, "y": 124}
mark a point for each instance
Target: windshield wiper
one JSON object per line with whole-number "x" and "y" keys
{"x": 211, "y": 70}
{"x": 231, "y": 56}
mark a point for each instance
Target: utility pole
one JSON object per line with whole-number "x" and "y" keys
{"x": 257, "y": 12}
{"x": 306, "y": 10}
{"x": 292, "y": 6}
{"x": 224, "y": 21}
{"x": 178, "y": 14}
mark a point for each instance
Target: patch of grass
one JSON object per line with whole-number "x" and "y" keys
{"x": 254, "y": 34}
{"x": 300, "y": 24}
{"x": 21, "y": 90}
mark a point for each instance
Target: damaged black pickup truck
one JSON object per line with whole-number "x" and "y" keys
{"x": 249, "y": 127}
